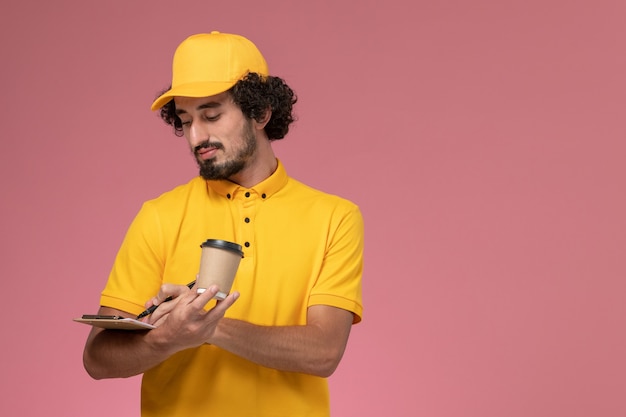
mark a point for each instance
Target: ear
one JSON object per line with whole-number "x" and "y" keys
{"x": 261, "y": 121}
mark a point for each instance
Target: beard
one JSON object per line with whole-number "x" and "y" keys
{"x": 211, "y": 170}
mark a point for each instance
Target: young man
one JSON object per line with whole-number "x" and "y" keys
{"x": 267, "y": 348}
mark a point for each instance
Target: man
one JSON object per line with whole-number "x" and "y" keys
{"x": 266, "y": 349}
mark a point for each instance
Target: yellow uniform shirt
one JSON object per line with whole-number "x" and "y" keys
{"x": 302, "y": 247}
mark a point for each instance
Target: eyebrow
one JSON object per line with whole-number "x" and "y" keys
{"x": 207, "y": 105}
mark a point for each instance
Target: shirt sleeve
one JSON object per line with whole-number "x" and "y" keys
{"x": 339, "y": 283}
{"x": 138, "y": 268}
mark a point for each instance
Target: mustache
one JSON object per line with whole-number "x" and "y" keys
{"x": 207, "y": 144}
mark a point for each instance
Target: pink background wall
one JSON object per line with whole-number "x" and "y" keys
{"x": 483, "y": 140}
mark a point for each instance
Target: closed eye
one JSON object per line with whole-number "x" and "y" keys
{"x": 211, "y": 118}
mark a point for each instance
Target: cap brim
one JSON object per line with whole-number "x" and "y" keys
{"x": 205, "y": 89}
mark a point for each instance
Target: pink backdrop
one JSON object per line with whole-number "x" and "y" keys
{"x": 483, "y": 140}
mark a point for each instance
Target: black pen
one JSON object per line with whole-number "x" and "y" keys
{"x": 154, "y": 307}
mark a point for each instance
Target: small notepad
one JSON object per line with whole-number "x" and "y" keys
{"x": 114, "y": 322}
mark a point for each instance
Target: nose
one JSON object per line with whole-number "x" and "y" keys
{"x": 198, "y": 132}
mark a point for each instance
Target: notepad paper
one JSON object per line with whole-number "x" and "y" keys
{"x": 114, "y": 322}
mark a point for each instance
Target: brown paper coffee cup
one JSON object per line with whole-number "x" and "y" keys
{"x": 218, "y": 266}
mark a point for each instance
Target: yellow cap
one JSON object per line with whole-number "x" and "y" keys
{"x": 210, "y": 63}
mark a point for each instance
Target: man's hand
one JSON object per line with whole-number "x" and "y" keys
{"x": 184, "y": 318}
{"x": 182, "y": 323}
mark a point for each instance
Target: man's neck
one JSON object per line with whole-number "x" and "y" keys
{"x": 258, "y": 170}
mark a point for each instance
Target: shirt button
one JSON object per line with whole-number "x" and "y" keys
{"x": 247, "y": 244}
{"x": 247, "y": 194}
{"x": 263, "y": 195}
{"x": 247, "y": 220}
{"x": 228, "y": 196}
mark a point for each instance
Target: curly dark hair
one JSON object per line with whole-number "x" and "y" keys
{"x": 253, "y": 94}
